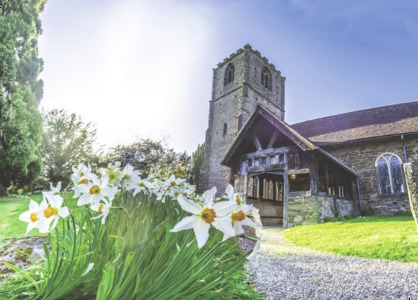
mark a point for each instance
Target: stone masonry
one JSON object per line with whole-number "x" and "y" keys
{"x": 361, "y": 156}
{"x": 232, "y": 104}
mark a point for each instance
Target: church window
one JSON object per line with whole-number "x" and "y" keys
{"x": 266, "y": 78}
{"x": 389, "y": 173}
{"x": 229, "y": 74}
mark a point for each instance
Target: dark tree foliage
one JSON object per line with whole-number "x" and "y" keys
{"x": 20, "y": 92}
{"x": 150, "y": 156}
{"x": 67, "y": 141}
{"x": 196, "y": 164}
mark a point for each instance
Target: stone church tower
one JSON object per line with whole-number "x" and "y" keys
{"x": 240, "y": 82}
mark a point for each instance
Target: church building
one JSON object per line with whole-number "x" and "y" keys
{"x": 301, "y": 173}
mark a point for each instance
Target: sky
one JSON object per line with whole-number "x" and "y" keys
{"x": 143, "y": 68}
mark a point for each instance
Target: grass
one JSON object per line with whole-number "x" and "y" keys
{"x": 11, "y": 226}
{"x": 384, "y": 237}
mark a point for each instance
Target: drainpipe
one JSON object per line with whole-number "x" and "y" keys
{"x": 404, "y": 148}
{"x": 358, "y": 191}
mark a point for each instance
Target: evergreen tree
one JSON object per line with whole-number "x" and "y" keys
{"x": 196, "y": 164}
{"x": 20, "y": 92}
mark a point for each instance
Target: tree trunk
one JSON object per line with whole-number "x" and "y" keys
{"x": 412, "y": 190}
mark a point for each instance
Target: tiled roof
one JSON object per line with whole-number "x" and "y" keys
{"x": 363, "y": 124}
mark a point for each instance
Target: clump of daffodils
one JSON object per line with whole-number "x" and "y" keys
{"x": 228, "y": 214}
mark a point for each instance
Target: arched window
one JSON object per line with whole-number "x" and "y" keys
{"x": 225, "y": 128}
{"x": 229, "y": 74}
{"x": 389, "y": 173}
{"x": 266, "y": 78}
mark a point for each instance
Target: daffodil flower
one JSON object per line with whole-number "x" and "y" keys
{"x": 55, "y": 190}
{"x": 233, "y": 197}
{"x": 96, "y": 190}
{"x": 102, "y": 208}
{"x": 142, "y": 186}
{"x": 52, "y": 212}
{"x": 114, "y": 174}
{"x": 239, "y": 216}
{"x": 34, "y": 215}
{"x": 80, "y": 178}
{"x": 172, "y": 182}
{"x": 205, "y": 216}
{"x": 129, "y": 177}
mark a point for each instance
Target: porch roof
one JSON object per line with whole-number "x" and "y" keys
{"x": 262, "y": 112}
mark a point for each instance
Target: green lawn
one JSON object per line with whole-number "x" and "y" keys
{"x": 385, "y": 237}
{"x": 12, "y": 207}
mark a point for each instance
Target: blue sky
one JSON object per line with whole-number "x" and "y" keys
{"x": 144, "y": 68}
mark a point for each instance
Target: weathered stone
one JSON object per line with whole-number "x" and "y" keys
{"x": 232, "y": 104}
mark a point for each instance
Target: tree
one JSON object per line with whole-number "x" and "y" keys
{"x": 150, "y": 156}
{"x": 20, "y": 92}
{"x": 196, "y": 164}
{"x": 67, "y": 141}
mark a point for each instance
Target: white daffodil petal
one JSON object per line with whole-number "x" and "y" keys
{"x": 48, "y": 197}
{"x": 201, "y": 231}
{"x": 104, "y": 180}
{"x": 31, "y": 225}
{"x": 224, "y": 225}
{"x": 208, "y": 197}
{"x": 58, "y": 200}
{"x": 89, "y": 267}
{"x": 83, "y": 200}
{"x": 56, "y": 219}
{"x": 238, "y": 228}
{"x": 25, "y": 217}
{"x": 229, "y": 191}
{"x": 249, "y": 222}
{"x": 83, "y": 188}
{"x": 224, "y": 208}
{"x": 189, "y": 205}
{"x": 33, "y": 205}
{"x": 43, "y": 205}
{"x": 186, "y": 223}
{"x": 43, "y": 226}
{"x": 63, "y": 212}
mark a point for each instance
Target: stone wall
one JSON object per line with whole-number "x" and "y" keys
{"x": 361, "y": 157}
{"x": 271, "y": 212}
{"x": 308, "y": 209}
{"x": 230, "y": 107}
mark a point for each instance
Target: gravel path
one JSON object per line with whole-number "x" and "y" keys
{"x": 284, "y": 271}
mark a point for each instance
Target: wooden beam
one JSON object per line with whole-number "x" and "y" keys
{"x": 273, "y": 139}
{"x": 285, "y": 199}
{"x": 257, "y": 143}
